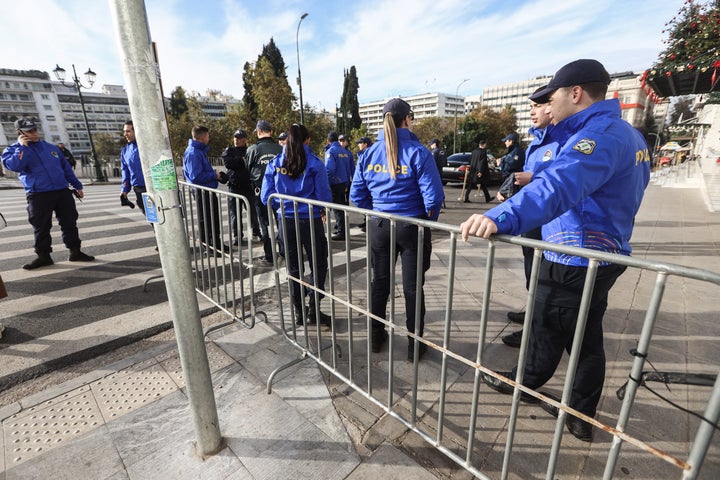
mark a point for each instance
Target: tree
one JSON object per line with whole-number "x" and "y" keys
{"x": 178, "y": 103}
{"x": 493, "y": 125}
{"x": 682, "y": 109}
{"x": 690, "y": 62}
{"x": 434, "y": 127}
{"x": 107, "y": 144}
{"x": 349, "y": 115}
{"x": 273, "y": 96}
{"x": 249, "y": 106}
{"x": 273, "y": 55}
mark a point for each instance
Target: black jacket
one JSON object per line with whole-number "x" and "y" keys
{"x": 238, "y": 174}
{"x": 479, "y": 164}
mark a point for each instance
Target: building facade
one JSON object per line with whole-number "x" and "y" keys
{"x": 423, "y": 106}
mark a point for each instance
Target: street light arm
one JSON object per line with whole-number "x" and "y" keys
{"x": 299, "y": 79}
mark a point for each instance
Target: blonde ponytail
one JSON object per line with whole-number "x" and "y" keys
{"x": 391, "y": 144}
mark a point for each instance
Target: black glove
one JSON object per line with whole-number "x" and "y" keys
{"x": 223, "y": 178}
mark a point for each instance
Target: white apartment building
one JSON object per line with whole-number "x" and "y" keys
{"x": 624, "y": 86}
{"x": 106, "y": 111}
{"x": 423, "y": 106}
{"x": 28, "y": 94}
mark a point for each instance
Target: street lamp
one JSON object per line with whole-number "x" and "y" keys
{"x": 455, "y": 131}
{"x": 90, "y": 77}
{"x": 299, "y": 79}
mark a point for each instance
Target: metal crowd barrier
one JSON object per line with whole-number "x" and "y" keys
{"x": 223, "y": 275}
{"x": 402, "y": 394}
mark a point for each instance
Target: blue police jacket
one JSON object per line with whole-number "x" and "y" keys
{"x": 132, "y": 174}
{"x": 41, "y": 167}
{"x": 311, "y": 184}
{"x": 588, "y": 197}
{"x": 196, "y": 166}
{"x": 339, "y": 164}
{"x": 417, "y": 189}
{"x": 512, "y": 161}
{"x": 542, "y": 150}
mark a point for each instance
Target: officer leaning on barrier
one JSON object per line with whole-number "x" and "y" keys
{"x": 46, "y": 174}
{"x": 588, "y": 197}
{"x": 398, "y": 175}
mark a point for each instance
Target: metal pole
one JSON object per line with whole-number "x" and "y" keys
{"x": 98, "y": 170}
{"x": 142, "y": 80}
{"x": 455, "y": 131}
{"x": 299, "y": 79}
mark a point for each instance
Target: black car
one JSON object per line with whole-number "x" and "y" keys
{"x": 458, "y": 163}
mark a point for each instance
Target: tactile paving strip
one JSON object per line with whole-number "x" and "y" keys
{"x": 129, "y": 390}
{"x": 47, "y": 425}
{"x": 217, "y": 359}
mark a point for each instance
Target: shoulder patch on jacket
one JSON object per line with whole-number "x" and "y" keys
{"x": 585, "y": 146}
{"x": 547, "y": 156}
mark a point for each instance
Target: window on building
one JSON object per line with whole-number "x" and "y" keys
{"x": 53, "y": 128}
{"x": 45, "y": 96}
{"x": 50, "y": 118}
{"x": 47, "y": 107}
{"x": 55, "y": 138}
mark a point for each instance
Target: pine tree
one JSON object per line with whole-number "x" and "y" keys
{"x": 349, "y": 114}
{"x": 178, "y": 103}
{"x": 272, "y": 53}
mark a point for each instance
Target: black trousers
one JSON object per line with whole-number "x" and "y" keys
{"x": 233, "y": 211}
{"x": 406, "y": 246}
{"x": 264, "y": 223}
{"x": 472, "y": 184}
{"x": 208, "y": 209}
{"x": 41, "y": 206}
{"x": 553, "y": 328}
{"x": 339, "y": 196}
{"x": 294, "y": 258}
{"x": 138, "y": 198}
{"x": 528, "y": 253}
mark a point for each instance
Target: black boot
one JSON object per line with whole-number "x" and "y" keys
{"x": 325, "y": 319}
{"x": 422, "y": 348}
{"x": 42, "y": 260}
{"x": 300, "y": 313}
{"x": 77, "y": 256}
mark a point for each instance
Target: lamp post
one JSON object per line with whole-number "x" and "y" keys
{"x": 299, "y": 79}
{"x": 90, "y": 77}
{"x": 455, "y": 131}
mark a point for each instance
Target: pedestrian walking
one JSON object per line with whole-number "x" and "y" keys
{"x": 398, "y": 175}
{"x": 46, "y": 174}
{"x": 479, "y": 171}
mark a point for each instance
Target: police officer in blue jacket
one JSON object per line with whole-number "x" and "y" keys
{"x": 514, "y": 159}
{"x": 398, "y": 175}
{"x": 131, "y": 167}
{"x": 46, "y": 174}
{"x": 198, "y": 171}
{"x": 299, "y": 173}
{"x": 588, "y": 197}
{"x": 539, "y": 155}
{"x": 340, "y": 166}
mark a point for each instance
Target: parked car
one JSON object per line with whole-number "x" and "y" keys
{"x": 457, "y": 163}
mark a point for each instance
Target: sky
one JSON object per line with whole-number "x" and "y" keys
{"x": 399, "y": 48}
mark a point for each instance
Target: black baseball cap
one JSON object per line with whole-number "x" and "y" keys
{"x": 240, "y": 133}
{"x": 574, "y": 73}
{"x": 341, "y": 138}
{"x": 398, "y": 107}
{"x": 511, "y": 136}
{"x": 282, "y": 136}
{"x": 25, "y": 125}
{"x": 364, "y": 140}
{"x": 264, "y": 126}
{"x": 333, "y": 136}
{"x": 435, "y": 141}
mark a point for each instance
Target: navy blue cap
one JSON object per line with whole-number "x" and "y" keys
{"x": 511, "y": 136}
{"x": 342, "y": 137}
{"x": 333, "y": 136}
{"x": 435, "y": 141}
{"x": 364, "y": 140}
{"x": 574, "y": 73}
{"x": 25, "y": 124}
{"x": 264, "y": 126}
{"x": 398, "y": 107}
{"x": 282, "y": 136}
{"x": 240, "y": 133}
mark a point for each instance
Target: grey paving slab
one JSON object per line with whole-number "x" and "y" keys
{"x": 304, "y": 452}
{"x": 389, "y": 463}
{"x": 91, "y": 456}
